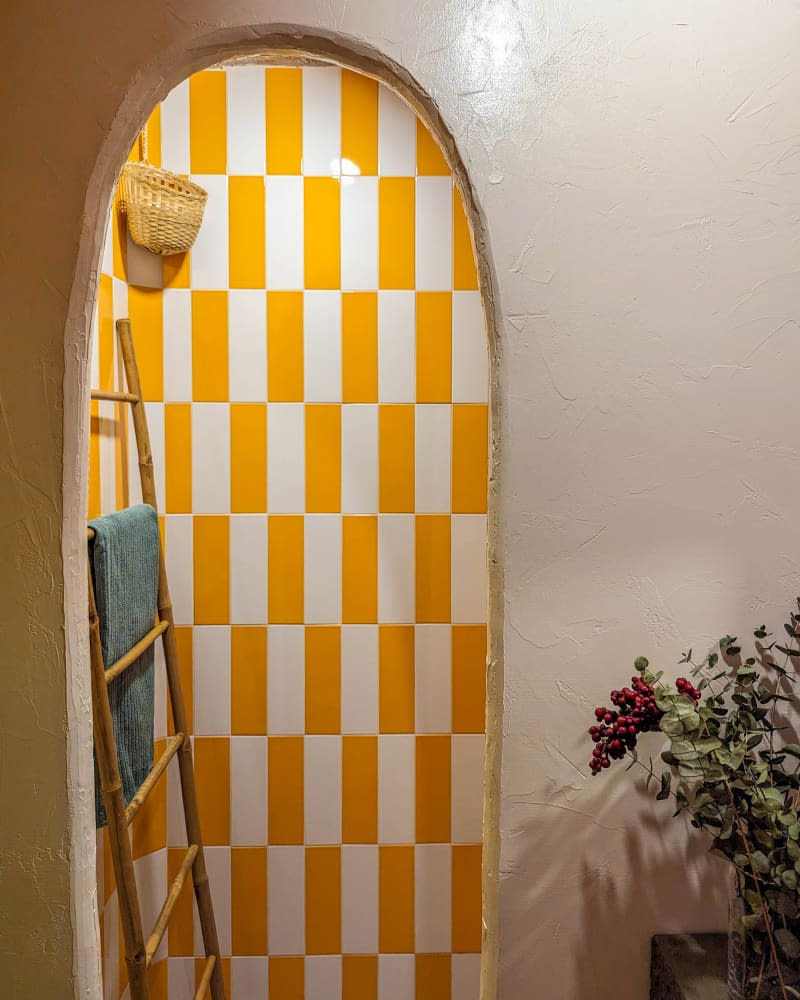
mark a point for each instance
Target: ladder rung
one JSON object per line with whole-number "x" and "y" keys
{"x": 174, "y": 743}
{"x": 114, "y": 397}
{"x": 169, "y": 904}
{"x": 205, "y": 980}
{"x": 135, "y": 652}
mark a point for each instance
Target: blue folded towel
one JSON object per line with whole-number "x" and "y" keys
{"x": 124, "y": 561}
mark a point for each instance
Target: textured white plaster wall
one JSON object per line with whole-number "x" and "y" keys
{"x": 636, "y": 164}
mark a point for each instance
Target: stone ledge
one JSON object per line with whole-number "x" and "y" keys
{"x": 689, "y": 967}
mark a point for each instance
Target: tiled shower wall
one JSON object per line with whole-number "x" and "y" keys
{"x": 316, "y": 375}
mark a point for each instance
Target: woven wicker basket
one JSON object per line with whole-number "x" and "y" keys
{"x": 164, "y": 210}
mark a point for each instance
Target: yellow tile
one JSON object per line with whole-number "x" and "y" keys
{"x": 284, "y": 107}
{"x": 396, "y": 260}
{"x": 248, "y": 458}
{"x": 286, "y": 568}
{"x": 469, "y": 678}
{"x": 178, "y": 457}
{"x": 285, "y": 786}
{"x": 211, "y": 570}
{"x": 433, "y": 977}
{"x": 285, "y": 347}
{"x": 359, "y": 570}
{"x": 208, "y": 138}
{"x": 323, "y": 458}
{"x": 147, "y": 328}
{"x": 176, "y": 270}
{"x": 323, "y": 671}
{"x": 212, "y": 762}
{"x": 359, "y": 122}
{"x": 157, "y": 980}
{"x": 465, "y": 276}
{"x": 323, "y": 900}
{"x": 287, "y": 973}
{"x": 396, "y": 678}
{"x": 154, "y": 136}
{"x": 434, "y": 347}
{"x": 105, "y": 333}
{"x": 321, "y": 232}
{"x": 149, "y": 829}
{"x": 396, "y": 899}
{"x": 360, "y": 347}
{"x": 181, "y": 932}
{"x": 430, "y": 159}
{"x": 249, "y": 680}
{"x": 246, "y": 232}
{"x": 359, "y": 977}
{"x": 470, "y": 458}
{"x": 249, "y": 900}
{"x": 359, "y": 789}
{"x": 183, "y": 640}
{"x": 209, "y": 347}
{"x": 396, "y": 458}
{"x": 433, "y": 567}
{"x": 466, "y": 898}
{"x": 433, "y": 789}
{"x": 94, "y": 509}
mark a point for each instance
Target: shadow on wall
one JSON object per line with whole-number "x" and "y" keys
{"x": 609, "y": 920}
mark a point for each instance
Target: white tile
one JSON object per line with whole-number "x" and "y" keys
{"x": 119, "y": 295}
{"x": 248, "y": 791}
{"x": 179, "y": 557}
{"x": 248, "y": 569}
{"x": 323, "y": 789}
{"x": 322, "y": 117}
{"x": 180, "y": 978}
{"x": 359, "y": 247}
{"x": 151, "y": 882}
{"x": 434, "y": 234}
{"x": 323, "y": 569}
{"x": 211, "y": 662}
{"x": 176, "y": 825}
{"x": 145, "y": 269}
{"x": 432, "y": 682}
{"x": 396, "y": 347}
{"x": 468, "y": 751}
{"x": 286, "y": 878}
{"x": 433, "y": 457}
{"x": 323, "y": 977}
{"x": 134, "y": 479}
{"x": 285, "y": 236}
{"x": 218, "y": 864}
{"x": 211, "y": 449}
{"x": 159, "y": 694}
{"x": 396, "y": 977}
{"x": 248, "y": 977}
{"x": 107, "y": 259}
{"x": 246, "y": 120}
{"x": 466, "y": 977}
{"x": 359, "y": 678}
{"x": 359, "y": 899}
{"x": 359, "y": 458}
{"x": 396, "y": 789}
{"x": 286, "y": 458}
{"x": 175, "y": 129}
{"x": 286, "y": 703}
{"x": 397, "y": 136}
{"x": 210, "y": 251}
{"x": 155, "y": 425}
{"x": 432, "y": 908}
{"x": 470, "y": 349}
{"x": 396, "y": 582}
{"x": 177, "y": 311}
{"x": 322, "y": 331}
{"x": 469, "y": 586}
{"x": 247, "y": 345}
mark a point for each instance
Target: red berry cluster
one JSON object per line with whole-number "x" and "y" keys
{"x": 688, "y": 689}
{"x": 616, "y": 732}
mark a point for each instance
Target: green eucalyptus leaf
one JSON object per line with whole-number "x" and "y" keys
{"x": 760, "y": 862}
{"x": 789, "y": 878}
{"x": 789, "y": 944}
{"x": 641, "y": 663}
{"x": 666, "y": 782}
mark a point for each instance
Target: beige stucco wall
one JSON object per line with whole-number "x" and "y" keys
{"x": 636, "y": 168}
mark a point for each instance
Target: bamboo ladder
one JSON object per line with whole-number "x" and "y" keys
{"x": 139, "y": 952}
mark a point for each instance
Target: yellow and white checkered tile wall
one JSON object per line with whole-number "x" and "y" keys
{"x": 316, "y": 374}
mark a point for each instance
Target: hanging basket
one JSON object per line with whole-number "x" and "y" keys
{"x": 164, "y": 210}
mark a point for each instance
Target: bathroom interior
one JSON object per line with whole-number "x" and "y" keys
{"x": 315, "y": 377}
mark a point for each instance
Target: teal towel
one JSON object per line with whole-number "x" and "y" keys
{"x": 124, "y": 561}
